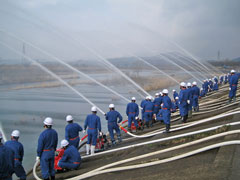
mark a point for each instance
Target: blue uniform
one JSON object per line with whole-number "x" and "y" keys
{"x": 211, "y": 84}
{"x": 148, "y": 111}
{"x": 233, "y": 82}
{"x": 173, "y": 108}
{"x": 71, "y": 158}
{"x": 157, "y": 102}
{"x": 94, "y": 125}
{"x": 196, "y": 94}
{"x": 167, "y": 105}
{"x": 142, "y": 104}
{"x": 206, "y": 87}
{"x": 6, "y": 162}
{"x": 72, "y": 134}
{"x": 160, "y": 115}
{"x": 47, "y": 144}
{"x": 221, "y": 79}
{"x": 177, "y": 103}
{"x": 215, "y": 86}
{"x": 175, "y": 94}
{"x": 132, "y": 111}
{"x": 190, "y": 97}
{"x": 225, "y": 79}
{"x": 17, "y": 147}
{"x": 183, "y": 106}
{"x": 112, "y": 117}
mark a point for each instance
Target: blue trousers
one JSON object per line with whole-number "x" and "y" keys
{"x": 148, "y": 116}
{"x": 232, "y": 92}
{"x": 47, "y": 164}
{"x": 74, "y": 142}
{"x": 113, "y": 126}
{"x": 131, "y": 117}
{"x": 195, "y": 101}
{"x": 68, "y": 165}
{"x": 92, "y": 136}
{"x": 183, "y": 109}
{"x": 19, "y": 170}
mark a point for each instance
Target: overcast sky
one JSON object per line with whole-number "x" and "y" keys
{"x": 116, "y": 28}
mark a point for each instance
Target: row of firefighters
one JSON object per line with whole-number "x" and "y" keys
{"x": 160, "y": 109}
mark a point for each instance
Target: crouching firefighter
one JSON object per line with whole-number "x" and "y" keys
{"x": 94, "y": 125}
{"x": 17, "y": 147}
{"x": 71, "y": 158}
{"x": 112, "y": 116}
{"x": 47, "y": 144}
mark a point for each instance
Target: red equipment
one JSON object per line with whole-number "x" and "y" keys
{"x": 58, "y": 155}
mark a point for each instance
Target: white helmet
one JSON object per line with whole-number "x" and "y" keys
{"x": 136, "y": 117}
{"x": 69, "y": 118}
{"x": 146, "y": 97}
{"x": 183, "y": 84}
{"x": 194, "y": 83}
{"x": 201, "y": 89}
{"x": 64, "y": 143}
{"x": 177, "y": 97}
{"x": 210, "y": 79}
{"x": 233, "y": 71}
{"x": 111, "y": 106}
{"x": 165, "y": 91}
{"x": 48, "y": 121}
{"x": 150, "y": 97}
{"x": 94, "y": 109}
{"x": 173, "y": 90}
{"x": 160, "y": 93}
{"x": 189, "y": 84}
{"x": 15, "y": 133}
{"x": 133, "y": 99}
{"x": 157, "y": 94}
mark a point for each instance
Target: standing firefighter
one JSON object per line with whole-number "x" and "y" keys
{"x": 183, "y": 102}
{"x": 72, "y": 131}
{"x": 157, "y": 102}
{"x": 47, "y": 144}
{"x": 112, "y": 117}
{"x": 166, "y": 109}
{"x": 142, "y": 104}
{"x": 233, "y": 82}
{"x": 132, "y": 111}
{"x": 6, "y": 161}
{"x": 71, "y": 158}
{"x": 17, "y": 147}
{"x": 196, "y": 94}
{"x": 94, "y": 125}
{"x": 148, "y": 112}
{"x": 190, "y": 99}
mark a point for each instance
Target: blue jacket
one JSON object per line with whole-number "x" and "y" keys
{"x": 183, "y": 97}
{"x": 17, "y": 147}
{"x": 196, "y": 91}
{"x": 71, "y": 155}
{"x": 47, "y": 140}
{"x": 157, "y": 101}
{"x": 93, "y": 122}
{"x": 143, "y": 102}
{"x": 132, "y": 108}
{"x": 190, "y": 93}
{"x": 6, "y": 161}
{"x": 112, "y": 117}
{"x": 175, "y": 94}
{"x": 72, "y": 131}
{"x": 233, "y": 81}
{"x": 167, "y": 103}
{"x": 148, "y": 106}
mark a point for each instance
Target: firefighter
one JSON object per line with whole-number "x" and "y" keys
{"x": 190, "y": 99}
{"x": 114, "y": 118}
{"x": 166, "y": 109}
{"x": 233, "y": 82}
{"x": 175, "y": 94}
{"x": 47, "y": 144}
{"x": 202, "y": 93}
{"x": 148, "y": 112}
{"x": 225, "y": 79}
{"x": 72, "y": 131}
{"x": 157, "y": 102}
{"x": 132, "y": 112}
{"x": 6, "y": 161}
{"x": 196, "y": 94}
{"x": 71, "y": 158}
{"x": 142, "y": 104}
{"x": 94, "y": 125}
{"x": 177, "y": 102}
{"x": 17, "y": 147}
{"x": 183, "y": 102}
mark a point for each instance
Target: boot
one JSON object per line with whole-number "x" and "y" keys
{"x": 190, "y": 113}
{"x": 185, "y": 118}
{"x": 229, "y": 100}
{"x": 167, "y": 128}
{"x": 52, "y": 177}
{"x": 87, "y": 149}
{"x": 119, "y": 138}
{"x": 92, "y": 150}
{"x": 113, "y": 143}
{"x": 197, "y": 108}
{"x": 234, "y": 99}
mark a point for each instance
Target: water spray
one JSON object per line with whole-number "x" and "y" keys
{"x": 66, "y": 64}
{"x": 3, "y": 133}
{"x": 53, "y": 75}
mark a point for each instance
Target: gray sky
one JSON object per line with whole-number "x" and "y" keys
{"x": 116, "y": 28}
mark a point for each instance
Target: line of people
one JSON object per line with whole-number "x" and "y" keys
{"x": 157, "y": 109}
